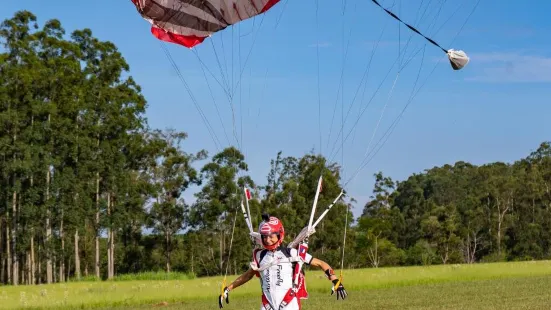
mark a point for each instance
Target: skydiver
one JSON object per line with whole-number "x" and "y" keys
{"x": 276, "y": 268}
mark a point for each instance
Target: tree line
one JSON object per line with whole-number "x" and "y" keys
{"x": 461, "y": 213}
{"x": 83, "y": 176}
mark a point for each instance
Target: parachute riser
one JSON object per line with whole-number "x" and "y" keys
{"x": 304, "y": 235}
{"x": 248, "y": 209}
{"x": 303, "y": 246}
{"x": 318, "y": 190}
{"x": 247, "y": 217}
{"x": 328, "y": 208}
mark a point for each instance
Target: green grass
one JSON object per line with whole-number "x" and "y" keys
{"x": 516, "y": 293}
{"x": 161, "y": 275}
{"x": 142, "y": 276}
{"x": 519, "y": 285}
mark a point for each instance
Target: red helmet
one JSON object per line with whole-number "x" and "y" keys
{"x": 271, "y": 225}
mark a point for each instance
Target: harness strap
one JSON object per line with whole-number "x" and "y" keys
{"x": 289, "y": 296}
{"x": 286, "y": 260}
{"x": 302, "y": 250}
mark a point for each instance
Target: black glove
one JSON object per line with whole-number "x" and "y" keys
{"x": 341, "y": 292}
{"x": 225, "y": 295}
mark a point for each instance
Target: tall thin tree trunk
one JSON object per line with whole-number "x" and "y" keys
{"x": 38, "y": 262}
{"x": 21, "y": 273}
{"x": 32, "y": 277}
{"x": 109, "y": 256}
{"x": 112, "y": 239}
{"x": 167, "y": 257}
{"x": 15, "y": 262}
{"x": 113, "y": 253}
{"x": 222, "y": 249}
{"x": 373, "y": 252}
{"x": 76, "y": 201}
{"x": 62, "y": 259}
{"x": 97, "y": 225}
{"x": 77, "y": 257}
{"x": 28, "y": 267}
{"x": 8, "y": 253}
{"x": 49, "y": 271}
{"x": 33, "y": 270}
{"x": 30, "y": 256}
{"x": 85, "y": 251}
{"x": 501, "y": 216}
{"x": 54, "y": 266}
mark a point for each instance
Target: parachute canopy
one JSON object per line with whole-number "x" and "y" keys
{"x": 189, "y": 22}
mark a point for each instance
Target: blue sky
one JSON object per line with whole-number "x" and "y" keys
{"x": 496, "y": 109}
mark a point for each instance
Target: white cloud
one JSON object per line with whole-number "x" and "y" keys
{"x": 510, "y": 68}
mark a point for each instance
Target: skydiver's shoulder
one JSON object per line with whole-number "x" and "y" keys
{"x": 294, "y": 252}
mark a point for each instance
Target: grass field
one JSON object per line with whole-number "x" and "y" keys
{"x": 520, "y": 285}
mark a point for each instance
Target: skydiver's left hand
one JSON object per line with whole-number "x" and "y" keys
{"x": 226, "y": 296}
{"x": 341, "y": 292}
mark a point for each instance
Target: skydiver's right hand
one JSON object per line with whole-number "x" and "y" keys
{"x": 226, "y": 296}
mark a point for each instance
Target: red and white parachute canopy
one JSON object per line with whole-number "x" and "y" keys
{"x": 189, "y": 22}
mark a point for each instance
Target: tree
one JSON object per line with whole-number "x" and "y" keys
{"x": 375, "y": 224}
{"x": 171, "y": 174}
{"x": 220, "y": 198}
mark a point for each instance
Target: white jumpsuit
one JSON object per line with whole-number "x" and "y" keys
{"x": 277, "y": 279}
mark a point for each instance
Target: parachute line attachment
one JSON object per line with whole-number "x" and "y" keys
{"x": 458, "y": 58}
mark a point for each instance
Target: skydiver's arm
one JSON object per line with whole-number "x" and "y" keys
{"x": 325, "y": 267}
{"x": 242, "y": 279}
{"x": 341, "y": 292}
